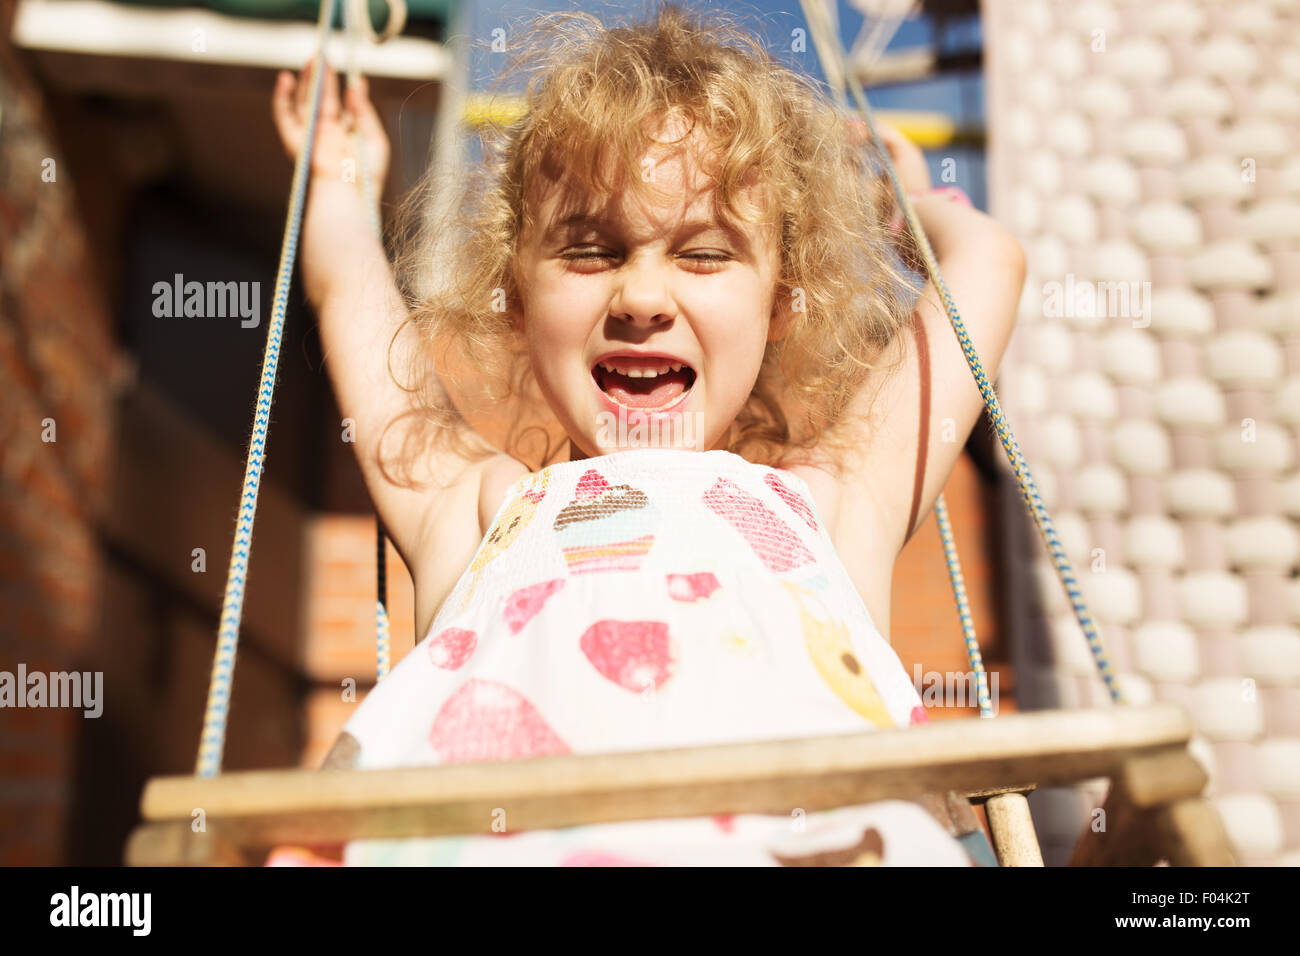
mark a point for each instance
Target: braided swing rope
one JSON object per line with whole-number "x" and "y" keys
{"x": 212, "y": 739}
{"x": 829, "y": 48}
{"x": 963, "y": 607}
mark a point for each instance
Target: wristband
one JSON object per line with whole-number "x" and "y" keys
{"x": 951, "y": 193}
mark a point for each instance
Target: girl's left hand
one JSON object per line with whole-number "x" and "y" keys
{"x": 906, "y": 156}
{"x": 334, "y": 143}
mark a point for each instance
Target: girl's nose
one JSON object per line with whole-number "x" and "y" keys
{"x": 642, "y": 298}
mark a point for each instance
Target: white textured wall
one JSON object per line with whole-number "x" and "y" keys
{"x": 1158, "y": 141}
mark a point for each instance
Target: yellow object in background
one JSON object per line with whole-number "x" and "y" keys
{"x": 928, "y": 130}
{"x": 482, "y": 109}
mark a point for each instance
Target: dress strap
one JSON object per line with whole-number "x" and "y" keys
{"x": 922, "y": 441}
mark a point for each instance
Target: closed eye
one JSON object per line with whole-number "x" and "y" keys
{"x": 593, "y": 254}
{"x": 587, "y": 255}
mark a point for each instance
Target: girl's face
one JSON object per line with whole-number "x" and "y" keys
{"x": 647, "y": 324}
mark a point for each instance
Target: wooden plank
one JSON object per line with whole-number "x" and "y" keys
{"x": 980, "y": 796}
{"x": 1140, "y": 825}
{"x": 1125, "y": 837}
{"x": 1193, "y": 834}
{"x": 174, "y": 843}
{"x": 102, "y": 30}
{"x": 261, "y": 808}
{"x": 1162, "y": 778}
{"x": 183, "y": 80}
{"x": 952, "y": 811}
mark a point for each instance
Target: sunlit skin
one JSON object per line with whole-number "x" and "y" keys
{"x": 649, "y": 276}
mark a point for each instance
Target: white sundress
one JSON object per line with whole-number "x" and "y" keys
{"x": 649, "y": 599}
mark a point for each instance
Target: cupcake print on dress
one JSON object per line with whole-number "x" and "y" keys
{"x": 605, "y": 527}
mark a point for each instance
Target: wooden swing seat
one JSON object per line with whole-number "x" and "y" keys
{"x": 1153, "y": 812}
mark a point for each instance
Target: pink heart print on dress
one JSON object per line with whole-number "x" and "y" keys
{"x": 692, "y": 587}
{"x": 451, "y": 648}
{"x": 522, "y": 606}
{"x": 600, "y": 858}
{"x": 796, "y": 503}
{"x": 489, "y": 720}
{"x": 632, "y": 654}
{"x": 770, "y": 538}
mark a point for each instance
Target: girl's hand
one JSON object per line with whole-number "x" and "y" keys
{"x": 333, "y": 153}
{"x": 907, "y": 158}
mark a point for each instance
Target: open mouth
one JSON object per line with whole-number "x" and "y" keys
{"x": 644, "y": 383}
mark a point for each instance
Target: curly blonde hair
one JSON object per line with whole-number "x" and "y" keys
{"x": 592, "y": 94}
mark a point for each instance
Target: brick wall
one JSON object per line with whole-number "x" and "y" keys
{"x": 339, "y": 630}
{"x": 926, "y": 629}
{"x": 98, "y": 524}
{"x": 57, "y": 365}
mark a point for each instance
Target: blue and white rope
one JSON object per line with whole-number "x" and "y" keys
{"x": 963, "y": 607}
{"x": 828, "y": 47}
{"x": 212, "y": 739}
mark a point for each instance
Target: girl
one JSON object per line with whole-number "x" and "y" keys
{"x": 679, "y": 252}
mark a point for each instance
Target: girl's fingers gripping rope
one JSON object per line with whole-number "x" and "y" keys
{"x": 369, "y": 125}
{"x": 284, "y": 111}
{"x": 907, "y": 158}
{"x": 329, "y": 103}
{"x": 330, "y": 109}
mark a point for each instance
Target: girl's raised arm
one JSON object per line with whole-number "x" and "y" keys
{"x": 983, "y": 266}
{"x": 427, "y": 494}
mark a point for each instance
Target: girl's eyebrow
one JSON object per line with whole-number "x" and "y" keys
{"x": 691, "y": 226}
{"x": 576, "y": 219}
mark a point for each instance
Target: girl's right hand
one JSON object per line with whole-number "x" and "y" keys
{"x": 333, "y": 154}
{"x": 909, "y": 161}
